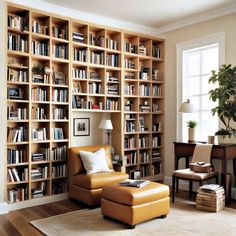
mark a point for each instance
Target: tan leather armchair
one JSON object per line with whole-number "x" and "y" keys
{"x": 88, "y": 188}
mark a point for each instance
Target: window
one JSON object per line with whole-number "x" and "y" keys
{"x": 196, "y": 62}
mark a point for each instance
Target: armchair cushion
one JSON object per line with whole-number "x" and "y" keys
{"x": 95, "y": 162}
{"x": 98, "y": 180}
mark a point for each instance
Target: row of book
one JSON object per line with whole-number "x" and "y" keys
{"x": 155, "y": 108}
{"x": 143, "y": 142}
{"x": 60, "y": 51}
{"x": 16, "y": 156}
{"x": 17, "y": 194}
{"x": 79, "y": 73}
{"x": 59, "y": 153}
{"x": 59, "y": 187}
{"x": 18, "y": 175}
{"x": 144, "y": 90}
{"x": 16, "y": 134}
{"x": 39, "y": 134}
{"x": 96, "y": 40}
{"x": 129, "y": 64}
{"x": 59, "y": 113}
{"x": 39, "y": 94}
{"x": 129, "y": 142}
{"x": 130, "y": 47}
{"x": 144, "y": 157}
{"x": 21, "y": 193}
{"x": 38, "y": 113}
{"x": 17, "y": 113}
{"x": 112, "y": 104}
{"x": 112, "y": 60}
{"x": 39, "y": 28}
{"x": 58, "y": 133}
{"x": 94, "y": 88}
{"x": 17, "y": 42}
{"x": 18, "y": 22}
{"x": 40, "y": 48}
{"x": 97, "y": 58}
{"x": 80, "y": 55}
{"x": 156, "y": 141}
{"x": 17, "y": 75}
{"x": 129, "y": 126}
{"x": 59, "y": 170}
{"x": 156, "y": 127}
{"x": 156, "y": 90}
{"x": 130, "y": 158}
{"x": 59, "y": 95}
{"x": 129, "y": 89}
{"x": 59, "y": 32}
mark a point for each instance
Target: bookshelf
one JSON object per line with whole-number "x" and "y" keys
{"x": 58, "y": 66}
{"x": 37, "y": 105}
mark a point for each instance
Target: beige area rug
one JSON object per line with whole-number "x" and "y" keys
{"x": 183, "y": 220}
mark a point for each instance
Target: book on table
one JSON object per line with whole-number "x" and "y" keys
{"x": 135, "y": 183}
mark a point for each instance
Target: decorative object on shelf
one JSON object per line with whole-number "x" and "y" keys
{"x": 224, "y": 94}
{"x": 81, "y": 126}
{"x": 191, "y": 124}
{"x": 187, "y": 107}
{"x": 106, "y": 124}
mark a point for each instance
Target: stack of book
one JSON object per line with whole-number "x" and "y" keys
{"x": 210, "y": 197}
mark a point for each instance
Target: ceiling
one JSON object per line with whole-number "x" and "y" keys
{"x": 151, "y": 13}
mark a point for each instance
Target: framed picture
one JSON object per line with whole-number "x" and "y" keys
{"x": 15, "y": 93}
{"x": 81, "y": 127}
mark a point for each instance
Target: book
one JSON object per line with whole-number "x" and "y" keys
{"x": 135, "y": 183}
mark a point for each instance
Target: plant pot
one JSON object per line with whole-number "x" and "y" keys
{"x": 191, "y": 134}
{"x": 224, "y": 139}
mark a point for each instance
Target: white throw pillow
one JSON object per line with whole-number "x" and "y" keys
{"x": 95, "y": 162}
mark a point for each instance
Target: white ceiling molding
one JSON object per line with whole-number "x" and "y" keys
{"x": 197, "y": 19}
{"x": 101, "y": 20}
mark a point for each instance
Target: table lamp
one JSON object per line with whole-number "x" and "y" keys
{"x": 106, "y": 124}
{"x": 187, "y": 107}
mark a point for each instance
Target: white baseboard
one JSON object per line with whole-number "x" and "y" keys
{"x": 4, "y": 208}
{"x": 38, "y": 201}
{"x": 184, "y": 186}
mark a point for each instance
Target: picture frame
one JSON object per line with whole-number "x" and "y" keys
{"x": 81, "y": 127}
{"x": 15, "y": 93}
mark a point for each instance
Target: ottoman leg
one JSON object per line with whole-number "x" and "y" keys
{"x": 131, "y": 226}
{"x": 163, "y": 216}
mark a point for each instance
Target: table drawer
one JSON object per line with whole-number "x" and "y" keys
{"x": 217, "y": 153}
{"x": 184, "y": 150}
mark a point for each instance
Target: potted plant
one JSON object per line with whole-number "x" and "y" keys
{"x": 191, "y": 124}
{"x": 225, "y": 95}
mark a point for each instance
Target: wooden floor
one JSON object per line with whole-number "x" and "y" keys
{"x": 17, "y": 223}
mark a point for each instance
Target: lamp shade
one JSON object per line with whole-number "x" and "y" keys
{"x": 105, "y": 124}
{"x": 187, "y": 107}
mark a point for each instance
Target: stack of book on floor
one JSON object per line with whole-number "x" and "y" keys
{"x": 210, "y": 197}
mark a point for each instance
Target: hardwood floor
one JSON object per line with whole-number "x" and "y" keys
{"x": 16, "y": 223}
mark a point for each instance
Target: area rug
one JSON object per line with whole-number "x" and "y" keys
{"x": 183, "y": 220}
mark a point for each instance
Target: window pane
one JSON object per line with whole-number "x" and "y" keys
{"x": 206, "y": 86}
{"x": 209, "y": 60}
{"x": 207, "y": 104}
{"x": 193, "y": 86}
{"x": 193, "y": 64}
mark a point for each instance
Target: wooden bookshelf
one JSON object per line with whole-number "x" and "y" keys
{"x": 38, "y": 103}
{"x": 57, "y": 66}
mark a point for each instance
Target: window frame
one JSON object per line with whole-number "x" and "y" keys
{"x": 219, "y": 39}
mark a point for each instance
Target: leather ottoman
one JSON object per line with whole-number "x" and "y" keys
{"x": 133, "y": 205}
